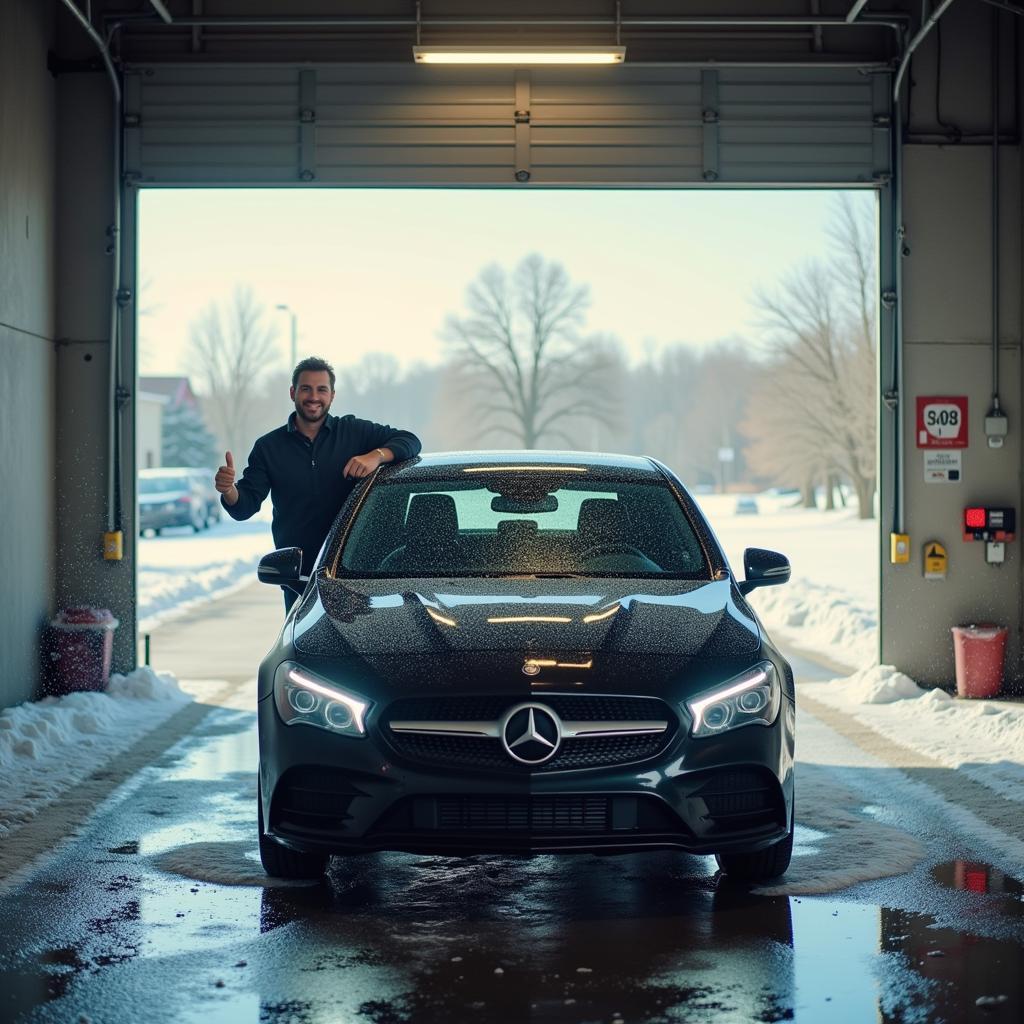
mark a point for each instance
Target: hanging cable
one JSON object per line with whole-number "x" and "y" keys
{"x": 914, "y": 43}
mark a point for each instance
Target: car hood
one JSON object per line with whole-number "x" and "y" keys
{"x": 568, "y": 620}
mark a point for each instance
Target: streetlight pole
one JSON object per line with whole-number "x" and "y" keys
{"x": 294, "y": 318}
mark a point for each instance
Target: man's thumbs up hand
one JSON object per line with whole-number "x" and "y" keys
{"x": 224, "y": 481}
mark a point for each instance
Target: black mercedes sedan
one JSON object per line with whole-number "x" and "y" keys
{"x": 524, "y": 652}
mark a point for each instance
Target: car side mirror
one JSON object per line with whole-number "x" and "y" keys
{"x": 283, "y": 568}
{"x": 763, "y": 568}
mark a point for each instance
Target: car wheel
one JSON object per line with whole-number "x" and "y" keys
{"x": 156, "y": 531}
{"x": 197, "y": 525}
{"x": 280, "y": 862}
{"x": 760, "y": 865}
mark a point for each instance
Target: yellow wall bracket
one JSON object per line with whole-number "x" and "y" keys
{"x": 113, "y": 546}
{"x": 899, "y": 553}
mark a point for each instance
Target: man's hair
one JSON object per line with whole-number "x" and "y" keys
{"x": 314, "y": 364}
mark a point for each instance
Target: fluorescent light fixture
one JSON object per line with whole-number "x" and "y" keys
{"x": 519, "y": 54}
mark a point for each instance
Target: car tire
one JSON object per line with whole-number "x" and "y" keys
{"x": 760, "y": 865}
{"x": 156, "y": 531}
{"x": 280, "y": 862}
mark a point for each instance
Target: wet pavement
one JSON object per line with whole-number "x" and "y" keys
{"x": 157, "y": 910}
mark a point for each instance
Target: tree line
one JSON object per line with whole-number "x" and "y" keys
{"x": 792, "y": 404}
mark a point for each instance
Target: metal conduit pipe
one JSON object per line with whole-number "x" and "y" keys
{"x": 916, "y": 42}
{"x": 900, "y": 515}
{"x": 995, "y": 211}
{"x": 115, "y": 241}
{"x": 892, "y": 21}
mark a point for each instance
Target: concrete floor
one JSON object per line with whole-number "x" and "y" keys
{"x": 225, "y": 640}
{"x": 156, "y": 908}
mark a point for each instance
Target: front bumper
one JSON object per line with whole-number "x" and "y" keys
{"x": 336, "y": 794}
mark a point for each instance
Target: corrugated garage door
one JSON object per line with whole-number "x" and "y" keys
{"x": 389, "y": 125}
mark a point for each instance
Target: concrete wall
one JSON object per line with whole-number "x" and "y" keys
{"x": 27, "y": 360}
{"x": 947, "y": 322}
{"x": 84, "y": 270}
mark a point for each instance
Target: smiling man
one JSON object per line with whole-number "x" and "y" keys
{"x": 310, "y": 465}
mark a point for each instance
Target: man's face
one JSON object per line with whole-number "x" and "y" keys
{"x": 312, "y": 395}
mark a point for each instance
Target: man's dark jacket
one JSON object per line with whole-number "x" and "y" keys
{"x": 304, "y": 479}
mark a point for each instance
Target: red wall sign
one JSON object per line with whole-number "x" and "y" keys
{"x": 942, "y": 422}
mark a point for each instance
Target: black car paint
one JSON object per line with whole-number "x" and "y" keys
{"x": 670, "y": 638}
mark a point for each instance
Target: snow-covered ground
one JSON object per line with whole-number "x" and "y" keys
{"x": 48, "y": 746}
{"x": 982, "y": 738}
{"x": 180, "y": 570}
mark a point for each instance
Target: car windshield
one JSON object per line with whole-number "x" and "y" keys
{"x": 521, "y": 524}
{"x": 162, "y": 484}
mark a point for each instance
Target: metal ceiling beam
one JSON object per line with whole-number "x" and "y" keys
{"x": 158, "y": 6}
{"x": 888, "y": 20}
{"x": 858, "y": 6}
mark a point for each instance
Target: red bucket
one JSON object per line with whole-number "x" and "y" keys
{"x": 80, "y": 645}
{"x": 979, "y": 652}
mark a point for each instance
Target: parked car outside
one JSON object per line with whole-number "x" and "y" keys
{"x": 746, "y": 506}
{"x": 211, "y": 498}
{"x": 526, "y": 652}
{"x": 170, "y": 497}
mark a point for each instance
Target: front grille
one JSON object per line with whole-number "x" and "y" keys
{"x": 526, "y": 814}
{"x": 450, "y": 815}
{"x": 487, "y": 753}
{"x": 311, "y": 800}
{"x": 742, "y": 798}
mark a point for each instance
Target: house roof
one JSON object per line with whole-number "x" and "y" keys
{"x": 178, "y": 390}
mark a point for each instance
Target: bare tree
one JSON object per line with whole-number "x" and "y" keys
{"x": 230, "y": 350}
{"x": 376, "y": 371}
{"x": 816, "y": 418}
{"x": 521, "y": 359}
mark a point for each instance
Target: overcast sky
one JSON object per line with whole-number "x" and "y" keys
{"x": 378, "y": 269}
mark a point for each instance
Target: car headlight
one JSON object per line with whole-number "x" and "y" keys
{"x": 752, "y": 698}
{"x": 304, "y": 698}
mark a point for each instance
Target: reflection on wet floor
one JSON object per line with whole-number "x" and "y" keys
{"x": 395, "y": 938}
{"x": 172, "y": 903}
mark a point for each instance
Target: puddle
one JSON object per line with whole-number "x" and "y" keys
{"x": 404, "y": 940}
{"x": 983, "y": 880}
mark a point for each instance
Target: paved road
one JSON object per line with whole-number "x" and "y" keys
{"x": 155, "y": 909}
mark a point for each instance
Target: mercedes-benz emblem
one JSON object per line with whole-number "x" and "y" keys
{"x": 530, "y": 668}
{"x": 531, "y": 733}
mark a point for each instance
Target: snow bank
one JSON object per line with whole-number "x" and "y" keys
{"x": 830, "y": 606}
{"x": 983, "y": 738}
{"x": 820, "y": 619}
{"x": 883, "y": 684}
{"x": 47, "y": 746}
{"x": 181, "y": 571}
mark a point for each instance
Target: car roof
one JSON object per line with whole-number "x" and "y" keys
{"x": 452, "y": 465}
